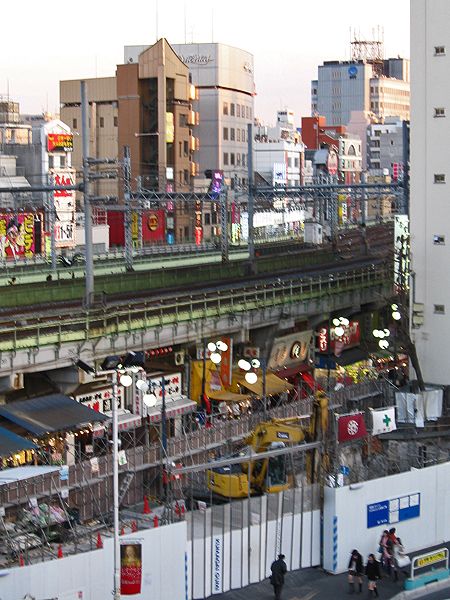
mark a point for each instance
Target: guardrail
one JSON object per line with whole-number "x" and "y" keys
{"x": 65, "y": 327}
{"x": 429, "y": 560}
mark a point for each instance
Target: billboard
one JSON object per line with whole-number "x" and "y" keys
{"x": 65, "y": 205}
{"x": 21, "y": 235}
{"x": 59, "y": 142}
{"x": 153, "y": 226}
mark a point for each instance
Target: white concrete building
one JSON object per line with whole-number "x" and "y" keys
{"x": 223, "y": 76}
{"x": 430, "y": 180}
{"x": 343, "y": 87}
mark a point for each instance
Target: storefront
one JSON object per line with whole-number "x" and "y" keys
{"x": 290, "y": 360}
{"x": 57, "y": 424}
{"x": 15, "y": 450}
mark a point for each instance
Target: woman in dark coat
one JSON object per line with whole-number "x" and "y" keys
{"x": 355, "y": 569}
{"x": 373, "y": 574}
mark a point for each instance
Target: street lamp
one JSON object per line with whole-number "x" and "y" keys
{"x": 251, "y": 375}
{"x": 120, "y": 371}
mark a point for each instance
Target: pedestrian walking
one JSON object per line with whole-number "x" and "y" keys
{"x": 373, "y": 574}
{"x": 278, "y": 569}
{"x": 355, "y": 571}
{"x": 383, "y": 550}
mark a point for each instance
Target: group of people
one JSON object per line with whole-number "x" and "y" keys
{"x": 392, "y": 558}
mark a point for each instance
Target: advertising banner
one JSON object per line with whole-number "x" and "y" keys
{"x": 64, "y": 208}
{"x": 101, "y": 400}
{"x": 290, "y": 350}
{"x": 59, "y": 142}
{"x": 350, "y": 338}
{"x": 153, "y": 226}
{"x": 20, "y": 235}
{"x": 130, "y": 568}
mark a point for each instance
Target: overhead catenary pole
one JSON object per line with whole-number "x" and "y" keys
{"x": 87, "y": 202}
{"x": 250, "y": 205}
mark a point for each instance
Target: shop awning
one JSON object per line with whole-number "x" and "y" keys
{"x": 176, "y": 408}
{"x": 349, "y": 357}
{"x": 224, "y": 396}
{"x": 25, "y": 472}
{"x": 125, "y": 420}
{"x": 274, "y": 385}
{"x": 55, "y": 412}
{"x": 11, "y": 442}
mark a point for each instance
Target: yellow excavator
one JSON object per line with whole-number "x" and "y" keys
{"x": 270, "y": 474}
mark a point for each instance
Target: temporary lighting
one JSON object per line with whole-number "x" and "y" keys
{"x": 222, "y": 346}
{"x": 255, "y": 363}
{"x": 394, "y": 306}
{"x": 386, "y": 332}
{"x": 251, "y": 377}
{"x": 126, "y": 380}
{"x": 215, "y": 357}
{"x": 149, "y": 400}
{"x": 339, "y": 330}
{"x": 396, "y": 315}
{"x": 244, "y": 364}
{"x": 376, "y": 333}
{"x": 336, "y": 322}
{"x": 345, "y": 322}
{"x": 142, "y": 386}
{"x": 212, "y": 347}
{"x": 110, "y": 362}
{"x": 384, "y": 344}
{"x": 85, "y": 367}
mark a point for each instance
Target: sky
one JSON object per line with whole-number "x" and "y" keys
{"x": 83, "y": 39}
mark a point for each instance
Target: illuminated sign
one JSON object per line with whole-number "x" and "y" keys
{"x": 430, "y": 559}
{"x": 170, "y": 129}
{"x": 350, "y": 338}
{"x": 64, "y": 208}
{"x": 57, "y": 142}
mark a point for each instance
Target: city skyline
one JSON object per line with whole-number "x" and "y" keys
{"x": 284, "y": 64}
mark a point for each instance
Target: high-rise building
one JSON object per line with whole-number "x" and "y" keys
{"x": 430, "y": 178}
{"x": 365, "y": 84}
{"x": 223, "y": 77}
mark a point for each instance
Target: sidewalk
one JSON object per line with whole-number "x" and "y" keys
{"x": 312, "y": 584}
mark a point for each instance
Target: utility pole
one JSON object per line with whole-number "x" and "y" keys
{"x": 89, "y": 257}
{"x": 250, "y": 204}
{"x": 224, "y": 225}
{"x": 127, "y": 198}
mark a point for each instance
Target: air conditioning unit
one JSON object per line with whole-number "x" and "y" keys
{"x": 179, "y": 357}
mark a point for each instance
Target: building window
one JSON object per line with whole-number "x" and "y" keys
{"x": 439, "y": 178}
{"x": 186, "y": 148}
{"x": 102, "y": 121}
{"x": 225, "y": 158}
{"x": 243, "y": 135}
{"x": 439, "y": 240}
{"x": 225, "y": 108}
{"x": 51, "y": 162}
{"x": 232, "y": 134}
{"x": 439, "y": 112}
{"x": 207, "y": 218}
{"x": 243, "y": 111}
{"x": 232, "y": 109}
{"x": 74, "y": 124}
{"x": 214, "y": 218}
{"x": 225, "y": 133}
{"x": 296, "y": 162}
{"x": 244, "y": 160}
{"x": 62, "y": 161}
{"x": 186, "y": 176}
{"x": 231, "y": 158}
{"x": 439, "y": 50}
{"x": 238, "y": 134}
{"x": 116, "y": 121}
{"x": 439, "y": 309}
{"x": 238, "y": 159}
{"x": 180, "y": 145}
{"x": 183, "y": 120}
{"x": 238, "y": 110}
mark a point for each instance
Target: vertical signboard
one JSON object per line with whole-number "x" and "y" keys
{"x": 130, "y": 568}
{"x": 64, "y": 202}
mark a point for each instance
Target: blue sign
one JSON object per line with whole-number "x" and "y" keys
{"x": 388, "y": 512}
{"x": 345, "y": 470}
{"x": 352, "y": 71}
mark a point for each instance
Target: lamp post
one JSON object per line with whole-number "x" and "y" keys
{"x": 120, "y": 372}
{"x": 339, "y": 324}
{"x": 251, "y": 376}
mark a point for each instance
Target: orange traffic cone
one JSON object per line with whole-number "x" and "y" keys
{"x": 155, "y": 521}
{"x": 134, "y": 526}
{"x": 21, "y": 561}
{"x": 147, "y": 509}
{"x": 99, "y": 541}
{"x": 122, "y": 531}
{"x": 60, "y": 552}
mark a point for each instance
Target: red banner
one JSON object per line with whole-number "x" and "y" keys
{"x": 130, "y": 568}
{"x": 153, "y": 226}
{"x": 351, "y": 427}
